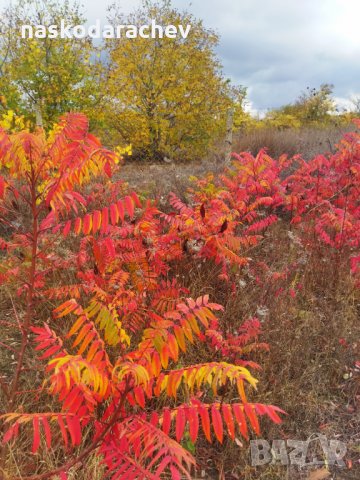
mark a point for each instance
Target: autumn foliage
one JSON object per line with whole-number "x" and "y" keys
{"x": 114, "y": 352}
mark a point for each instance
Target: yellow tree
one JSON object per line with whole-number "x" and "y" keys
{"x": 47, "y": 76}
{"x": 313, "y": 107}
{"x": 166, "y": 95}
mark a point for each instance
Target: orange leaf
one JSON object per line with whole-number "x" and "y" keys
{"x": 83, "y": 332}
{"x": 180, "y": 338}
{"x": 173, "y": 347}
{"x": 193, "y": 323}
{"x": 65, "y": 308}
{"x": 96, "y": 223}
{"x": 202, "y": 317}
{"x": 241, "y": 389}
{"x": 229, "y": 421}
{"x": 241, "y": 420}
{"x": 114, "y": 214}
{"x": 86, "y": 342}
{"x": 92, "y": 350}
{"x": 164, "y": 356}
{"x": 250, "y": 412}
{"x": 79, "y": 322}
{"x": 156, "y": 364}
{"x": 205, "y": 421}
{"x": 87, "y": 224}
{"x": 77, "y": 225}
{"x": 187, "y": 330}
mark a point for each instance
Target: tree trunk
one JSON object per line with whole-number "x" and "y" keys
{"x": 38, "y": 114}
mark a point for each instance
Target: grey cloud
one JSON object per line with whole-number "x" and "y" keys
{"x": 277, "y": 48}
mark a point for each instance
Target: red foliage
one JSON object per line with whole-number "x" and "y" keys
{"x": 131, "y": 321}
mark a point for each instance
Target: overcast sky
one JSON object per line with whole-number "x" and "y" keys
{"x": 277, "y": 47}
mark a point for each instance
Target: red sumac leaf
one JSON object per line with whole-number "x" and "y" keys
{"x": 217, "y": 423}
{"x": 136, "y": 199}
{"x": 121, "y": 210}
{"x": 129, "y": 203}
{"x": 154, "y": 419}
{"x": 36, "y": 434}
{"x": 47, "y": 431}
{"x": 77, "y": 225}
{"x": 180, "y": 424}
{"x": 74, "y": 429}
{"x": 63, "y": 429}
{"x": 67, "y": 228}
{"x": 241, "y": 420}
{"x": 166, "y": 421}
{"x": 104, "y": 220}
{"x": 87, "y": 224}
{"x": 250, "y": 412}
{"x": 2, "y": 187}
{"x": 12, "y": 432}
{"x": 107, "y": 169}
{"x": 96, "y": 223}
{"x": 229, "y": 421}
{"x": 193, "y": 419}
{"x": 205, "y": 421}
{"x": 175, "y": 474}
{"x": 114, "y": 214}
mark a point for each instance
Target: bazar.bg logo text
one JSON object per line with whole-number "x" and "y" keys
{"x": 316, "y": 450}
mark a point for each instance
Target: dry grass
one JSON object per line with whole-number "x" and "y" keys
{"x": 306, "y": 141}
{"x": 157, "y": 180}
